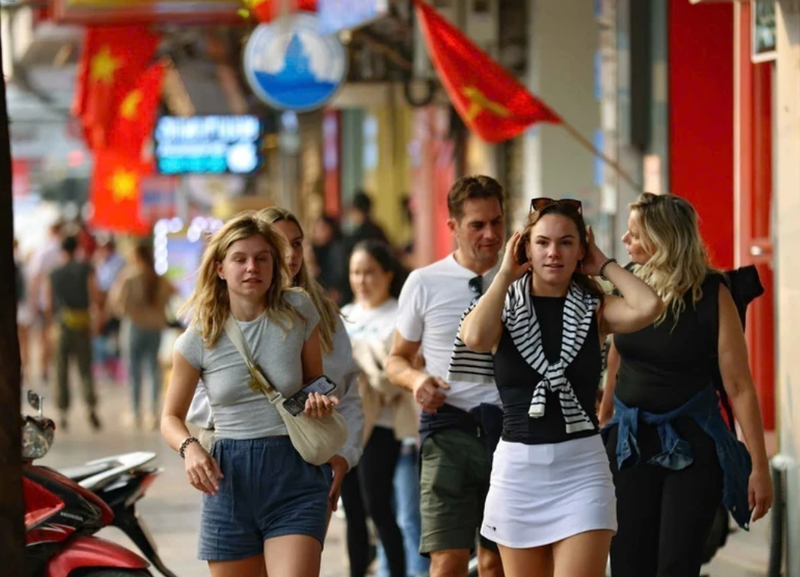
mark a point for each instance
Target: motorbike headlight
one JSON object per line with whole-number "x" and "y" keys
{"x": 35, "y": 442}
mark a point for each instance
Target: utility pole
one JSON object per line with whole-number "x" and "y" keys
{"x": 12, "y": 507}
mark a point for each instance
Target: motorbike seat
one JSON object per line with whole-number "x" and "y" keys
{"x": 81, "y": 472}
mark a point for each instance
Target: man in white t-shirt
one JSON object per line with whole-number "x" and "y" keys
{"x": 455, "y": 457}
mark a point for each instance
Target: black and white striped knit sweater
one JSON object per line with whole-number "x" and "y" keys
{"x": 519, "y": 318}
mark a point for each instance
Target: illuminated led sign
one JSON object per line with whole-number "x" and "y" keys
{"x": 208, "y": 144}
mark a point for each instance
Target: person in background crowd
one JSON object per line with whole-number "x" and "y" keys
{"x": 24, "y": 316}
{"x": 108, "y": 265}
{"x": 87, "y": 244}
{"x": 361, "y": 227}
{"x": 44, "y": 261}
{"x": 263, "y": 505}
{"x": 538, "y": 334}
{"x": 461, "y": 421}
{"x": 376, "y": 278}
{"x": 673, "y": 457}
{"x": 330, "y": 252}
{"x": 360, "y": 218}
{"x": 406, "y": 252}
{"x": 140, "y": 295}
{"x": 76, "y": 312}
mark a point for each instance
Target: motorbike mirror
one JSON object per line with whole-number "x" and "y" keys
{"x": 36, "y": 401}
{"x": 33, "y": 400}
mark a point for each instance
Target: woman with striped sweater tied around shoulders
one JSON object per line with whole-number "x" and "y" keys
{"x": 538, "y": 330}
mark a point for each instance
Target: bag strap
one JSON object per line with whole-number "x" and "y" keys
{"x": 237, "y": 338}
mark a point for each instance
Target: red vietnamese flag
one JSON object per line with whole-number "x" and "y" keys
{"x": 115, "y": 57}
{"x": 115, "y": 193}
{"x": 494, "y": 104}
{"x": 268, "y": 10}
{"x": 81, "y": 80}
{"x": 136, "y": 113}
{"x": 81, "y": 85}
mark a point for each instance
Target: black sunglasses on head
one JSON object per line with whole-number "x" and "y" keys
{"x": 542, "y": 201}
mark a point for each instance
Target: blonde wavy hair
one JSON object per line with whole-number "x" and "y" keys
{"x": 327, "y": 309}
{"x": 209, "y": 304}
{"x": 679, "y": 262}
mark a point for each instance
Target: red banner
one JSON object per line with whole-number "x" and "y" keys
{"x": 214, "y": 12}
{"x": 136, "y": 113}
{"x": 113, "y": 59}
{"x": 115, "y": 194}
{"x": 268, "y": 10}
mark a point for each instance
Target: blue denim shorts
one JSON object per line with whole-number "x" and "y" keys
{"x": 267, "y": 491}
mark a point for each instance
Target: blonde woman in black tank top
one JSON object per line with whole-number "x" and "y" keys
{"x": 666, "y": 509}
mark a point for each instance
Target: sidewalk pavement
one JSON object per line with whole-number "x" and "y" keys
{"x": 746, "y": 554}
{"x": 171, "y": 507}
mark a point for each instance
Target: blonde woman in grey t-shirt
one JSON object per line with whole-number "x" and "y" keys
{"x": 262, "y": 503}
{"x": 337, "y": 354}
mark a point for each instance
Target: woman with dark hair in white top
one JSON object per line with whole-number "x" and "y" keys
{"x": 376, "y": 278}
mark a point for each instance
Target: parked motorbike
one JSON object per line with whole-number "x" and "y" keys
{"x": 61, "y": 517}
{"x": 121, "y": 481}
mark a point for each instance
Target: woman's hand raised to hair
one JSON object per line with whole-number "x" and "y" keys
{"x": 511, "y": 270}
{"x": 594, "y": 257}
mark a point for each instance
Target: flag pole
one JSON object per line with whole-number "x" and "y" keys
{"x": 572, "y": 131}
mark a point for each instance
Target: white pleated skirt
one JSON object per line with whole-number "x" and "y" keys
{"x": 542, "y": 494}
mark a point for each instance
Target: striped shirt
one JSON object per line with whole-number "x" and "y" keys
{"x": 519, "y": 318}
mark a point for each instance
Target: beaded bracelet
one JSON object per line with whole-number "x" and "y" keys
{"x": 603, "y": 266}
{"x": 186, "y": 442}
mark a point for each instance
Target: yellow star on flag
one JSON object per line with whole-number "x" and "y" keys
{"x": 104, "y": 65}
{"x": 479, "y": 102}
{"x": 124, "y": 185}
{"x": 130, "y": 105}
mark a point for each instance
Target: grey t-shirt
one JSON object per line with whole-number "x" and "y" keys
{"x": 239, "y": 412}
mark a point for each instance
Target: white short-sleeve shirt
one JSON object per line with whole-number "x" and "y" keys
{"x": 431, "y": 305}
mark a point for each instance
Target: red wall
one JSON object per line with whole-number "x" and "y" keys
{"x": 701, "y": 118}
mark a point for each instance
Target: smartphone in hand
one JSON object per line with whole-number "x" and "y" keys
{"x": 296, "y": 404}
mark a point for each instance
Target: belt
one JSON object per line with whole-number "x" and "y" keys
{"x": 75, "y": 319}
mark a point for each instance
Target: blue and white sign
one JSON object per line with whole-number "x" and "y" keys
{"x": 338, "y": 15}
{"x": 291, "y": 66}
{"x": 208, "y": 144}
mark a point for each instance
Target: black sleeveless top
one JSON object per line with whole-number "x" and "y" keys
{"x": 663, "y": 366}
{"x": 516, "y": 379}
